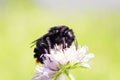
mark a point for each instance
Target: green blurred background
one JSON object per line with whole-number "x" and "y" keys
{"x": 96, "y": 24}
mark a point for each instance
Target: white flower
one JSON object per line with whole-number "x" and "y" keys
{"x": 57, "y": 57}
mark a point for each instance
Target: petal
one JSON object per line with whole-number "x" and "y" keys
{"x": 85, "y": 65}
{"x": 41, "y": 77}
{"x": 87, "y": 57}
{"x": 60, "y": 57}
{"x": 84, "y": 49}
{"x": 38, "y": 70}
{"x": 51, "y": 63}
{"x": 48, "y": 72}
{"x": 81, "y": 52}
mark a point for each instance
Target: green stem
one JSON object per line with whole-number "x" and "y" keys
{"x": 68, "y": 75}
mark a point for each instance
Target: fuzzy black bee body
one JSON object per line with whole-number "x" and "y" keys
{"x": 58, "y": 35}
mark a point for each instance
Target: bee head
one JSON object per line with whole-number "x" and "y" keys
{"x": 69, "y": 37}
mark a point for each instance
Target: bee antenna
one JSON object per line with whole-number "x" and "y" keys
{"x": 33, "y": 43}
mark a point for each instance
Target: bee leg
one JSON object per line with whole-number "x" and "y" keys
{"x": 76, "y": 44}
{"x": 64, "y": 44}
{"x": 63, "y": 41}
{"x": 49, "y": 44}
{"x": 42, "y": 58}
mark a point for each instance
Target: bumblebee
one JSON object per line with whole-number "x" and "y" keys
{"x": 57, "y": 35}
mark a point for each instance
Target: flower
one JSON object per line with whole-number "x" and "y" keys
{"x": 61, "y": 60}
